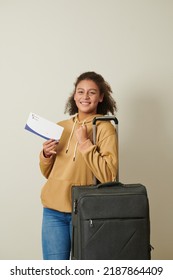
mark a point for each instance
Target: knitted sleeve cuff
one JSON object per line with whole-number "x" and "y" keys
{"x": 44, "y": 159}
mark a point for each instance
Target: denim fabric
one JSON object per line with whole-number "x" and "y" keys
{"x": 56, "y": 235}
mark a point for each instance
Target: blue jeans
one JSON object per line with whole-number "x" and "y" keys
{"x": 56, "y": 235}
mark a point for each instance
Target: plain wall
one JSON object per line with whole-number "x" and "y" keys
{"x": 44, "y": 46}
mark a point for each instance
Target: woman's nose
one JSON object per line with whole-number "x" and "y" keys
{"x": 86, "y": 95}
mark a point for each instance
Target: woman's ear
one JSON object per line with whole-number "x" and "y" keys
{"x": 101, "y": 97}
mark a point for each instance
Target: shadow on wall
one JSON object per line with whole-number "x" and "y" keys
{"x": 146, "y": 156}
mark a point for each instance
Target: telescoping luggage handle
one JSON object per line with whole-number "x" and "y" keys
{"x": 106, "y": 118}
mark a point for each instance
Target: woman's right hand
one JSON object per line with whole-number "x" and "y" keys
{"x": 49, "y": 148}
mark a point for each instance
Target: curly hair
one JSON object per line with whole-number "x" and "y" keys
{"x": 108, "y": 105}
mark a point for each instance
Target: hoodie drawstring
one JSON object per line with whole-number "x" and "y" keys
{"x": 75, "y": 149}
{"x": 71, "y": 134}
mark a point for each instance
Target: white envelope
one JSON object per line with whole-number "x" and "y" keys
{"x": 43, "y": 128}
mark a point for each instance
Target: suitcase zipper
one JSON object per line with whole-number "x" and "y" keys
{"x": 75, "y": 206}
{"x": 91, "y": 221}
{"x": 109, "y": 194}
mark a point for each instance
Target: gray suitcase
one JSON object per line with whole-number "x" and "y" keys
{"x": 110, "y": 221}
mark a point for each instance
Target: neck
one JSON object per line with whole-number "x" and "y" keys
{"x": 83, "y": 116}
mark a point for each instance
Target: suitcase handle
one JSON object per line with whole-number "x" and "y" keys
{"x": 105, "y": 118}
{"x": 109, "y": 184}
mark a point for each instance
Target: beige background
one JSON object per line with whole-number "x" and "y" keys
{"x": 44, "y": 46}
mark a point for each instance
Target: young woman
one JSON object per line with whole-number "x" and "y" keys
{"x": 74, "y": 159}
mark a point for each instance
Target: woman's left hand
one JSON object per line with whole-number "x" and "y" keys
{"x": 81, "y": 134}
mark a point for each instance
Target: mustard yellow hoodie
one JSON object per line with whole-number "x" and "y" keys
{"x": 75, "y": 164}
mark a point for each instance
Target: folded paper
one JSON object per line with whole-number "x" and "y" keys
{"x": 43, "y": 127}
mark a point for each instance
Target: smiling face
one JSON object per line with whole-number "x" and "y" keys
{"x": 87, "y": 96}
